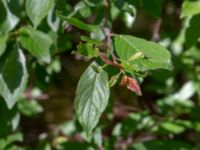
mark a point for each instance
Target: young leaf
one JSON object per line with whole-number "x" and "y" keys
{"x": 88, "y": 50}
{"x": 91, "y": 96}
{"x": 79, "y": 24}
{"x": 114, "y": 80}
{"x": 37, "y": 43}
{"x": 154, "y": 55}
{"x": 38, "y": 9}
{"x": 131, "y": 84}
{"x": 89, "y": 40}
{"x": 13, "y": 76}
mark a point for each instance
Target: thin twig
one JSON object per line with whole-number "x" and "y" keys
{"x": 28, "y": 95}
{"x": 106, "y": 3}
{"x": 105, "y": 59}
{"x": 156, "y": 30}
{"x": 107, "y": 31}
{"x": 113, "y": 34}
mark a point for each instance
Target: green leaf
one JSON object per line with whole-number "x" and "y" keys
{"x": 83, "y": 9}
{"x": 13, "y": 76}
{"x": 164, "y": 145}
{"x": 152, "y": 7}
{"x": 10, "y": 139}
{"x": 38, "y": 9}
{"x": 8, "y": 21}
{"x": 88, "y": 50}
{"x": 114, "y": 80}
{"x": 192, "y": 33}
{"x": 53, "y": 21}
{"x": 93, "y": 3}
{"x": 89, "y": 40}
{"x": 134, "y": 123}
{"x": 154, "y": 55}
{"x": 114, "y": 11}
{"x": 73, "y": 145}
{"x": 172, "y": 127}
{"x": 91, "y": 96}
{"x": 7, "y": 142}
{"x": 182, "y": 97}
{"x": 193, "y": 52}
{"x": 3, "y": 40}
{"x": 129, "y": 15}
{"x": 79, "y": 24}
{"x": 44, "y": 145}
{"x": 9, "y": 119}
{"x": 29, "y": 107}
{"x": 37, "y": 43}
{"x": 98, "y": 139}
{"x": 190, "y": 8}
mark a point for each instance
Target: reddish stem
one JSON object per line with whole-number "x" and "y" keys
{"x": 108, "y": 44}
{"x": 105, "y": 59}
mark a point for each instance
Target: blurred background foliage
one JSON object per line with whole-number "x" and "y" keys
{"x": 167, "y": 116}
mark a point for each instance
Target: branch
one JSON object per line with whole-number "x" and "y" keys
{"x": 105, "y": 59}
{"x": 108, "y": 44}
{"x": 156, "y": 30}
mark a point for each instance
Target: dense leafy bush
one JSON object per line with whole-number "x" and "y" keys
{"x": 140, "y": 88}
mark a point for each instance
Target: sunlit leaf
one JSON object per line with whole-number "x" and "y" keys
{"x": 38, "y": 9}
{"x": 155, "y": 56}
{"x": 190, "y": 8}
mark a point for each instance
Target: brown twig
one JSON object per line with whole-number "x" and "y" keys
{"x": 106, "y": 3}
{"x": 108, "y": 37}
{"x": 27, "y": 94}
{"x": 107, "y": 31}
{"x": 105, "y": 59}
{"x": 156, "y": 30}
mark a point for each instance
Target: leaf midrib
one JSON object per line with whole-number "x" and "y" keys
{"x": 93, "y": 87}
